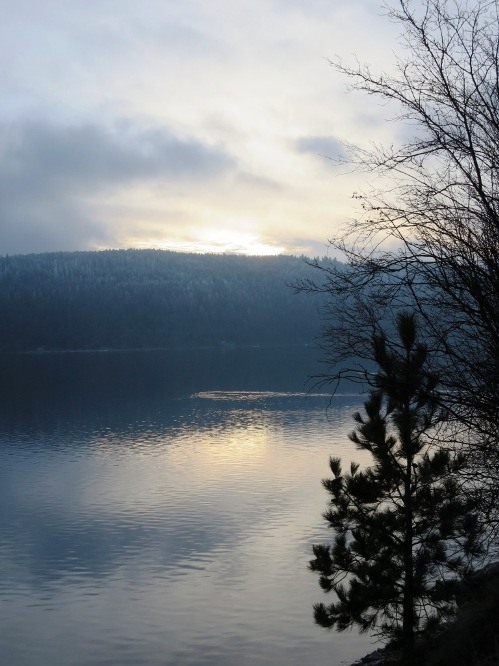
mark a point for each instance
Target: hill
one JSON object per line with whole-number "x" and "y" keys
{"x": 152, "y": 298}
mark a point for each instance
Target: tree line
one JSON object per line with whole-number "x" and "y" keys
{"x": 149, "y": 299}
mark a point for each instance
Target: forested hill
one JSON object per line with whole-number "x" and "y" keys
{"x": 151, "y": 298}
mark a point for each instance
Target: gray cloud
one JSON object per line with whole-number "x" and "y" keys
{"x": 322, "y": 146}
{"x": 91, "y": 155}
{"x": 258, "y": 182}
{"x": 47, "y": 171}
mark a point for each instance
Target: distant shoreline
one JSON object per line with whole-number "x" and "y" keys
{"x": 115, "y": 350}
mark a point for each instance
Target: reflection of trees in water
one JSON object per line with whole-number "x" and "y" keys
{"x": 121, "y": 391}
{"x": 189, "y": 484}
{"x": 109, "y": 407}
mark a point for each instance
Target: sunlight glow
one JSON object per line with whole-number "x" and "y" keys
{"x": 221, "y": 242}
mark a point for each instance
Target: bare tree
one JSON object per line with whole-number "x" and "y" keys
{"x": 430, "y": 238}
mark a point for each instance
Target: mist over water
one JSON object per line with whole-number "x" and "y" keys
{"x": 160, "y": 507}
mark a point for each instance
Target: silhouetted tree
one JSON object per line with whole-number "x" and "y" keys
{"x": 405, "y": 528}
{"x": 429, "y": 237}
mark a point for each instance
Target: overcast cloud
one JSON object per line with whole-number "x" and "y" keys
{"x": 194, "y": 125}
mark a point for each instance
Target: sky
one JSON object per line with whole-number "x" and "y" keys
{"x": 191, "y": 125}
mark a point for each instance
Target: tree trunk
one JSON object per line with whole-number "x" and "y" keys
{"x": 408, "y": 601}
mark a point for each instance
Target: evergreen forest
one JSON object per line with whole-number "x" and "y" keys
{"x": 122, "y": 299}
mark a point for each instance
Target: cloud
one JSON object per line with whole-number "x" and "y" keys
{"x": 321, "y": 146}
{"x": 211, "y": 81}
{"x": 88, "y": 154}
{"x": 51, "y": 175}
{"x": 310, "y": 247}
{"x": 258, "y": 182}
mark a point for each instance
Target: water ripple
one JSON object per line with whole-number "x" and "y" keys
{"x": 251, "y": 396}
{"x": 171, "y": 536}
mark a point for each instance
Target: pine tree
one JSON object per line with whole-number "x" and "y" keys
{"x": 406, "y": 529}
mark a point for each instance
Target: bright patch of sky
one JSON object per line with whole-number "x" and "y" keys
{"x": 201, "y": 125}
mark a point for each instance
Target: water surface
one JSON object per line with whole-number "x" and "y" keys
{"x": 159, "y": 508}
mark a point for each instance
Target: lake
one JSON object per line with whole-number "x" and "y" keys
{"x": 160, "y": 508}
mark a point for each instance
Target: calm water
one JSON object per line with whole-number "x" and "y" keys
{"x": 159, "y": 508}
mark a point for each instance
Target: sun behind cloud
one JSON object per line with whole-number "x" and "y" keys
{"x": 222, "y": 241}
